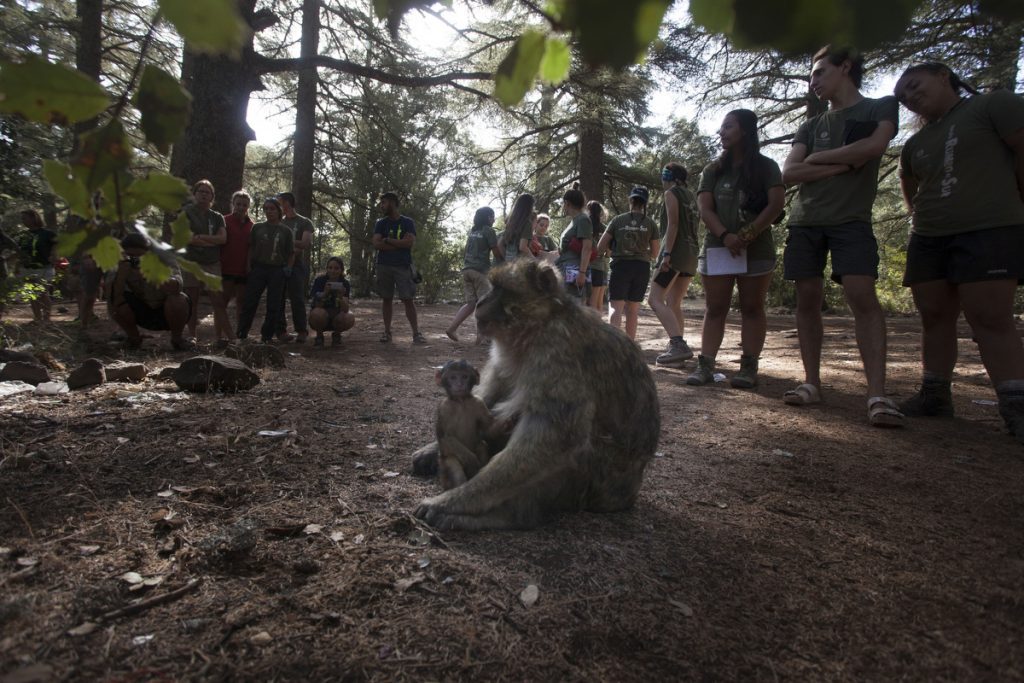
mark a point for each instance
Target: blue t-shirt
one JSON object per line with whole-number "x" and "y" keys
{"x": 319, "y": 295}
{"x": 395, "y": 230}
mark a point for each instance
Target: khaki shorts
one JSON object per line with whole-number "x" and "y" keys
{"x": 188, "y": 280}
{"x": 475, "y": 285}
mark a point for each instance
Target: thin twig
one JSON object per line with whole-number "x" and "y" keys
{"x": 23, "y": 518}
{"x": 152, "y": 602}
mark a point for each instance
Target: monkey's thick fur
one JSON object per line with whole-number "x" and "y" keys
{"x": 581, "y": 399}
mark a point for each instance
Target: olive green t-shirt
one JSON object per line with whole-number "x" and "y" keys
{"x": 729, "y": 199}
{"x": 478, "y": 249}
{"x": 209, "y": 224}
{"x": 299, "y": 225}
{"x": 631, "y": 236}
{"x": 965, "y": 173}
{"x": 684, "y": 251}
{"x": 270, "y": 244}
{"x": 581, "y": 228}
{"x": 847, "y": 197}
{"x": 547, "y": 242}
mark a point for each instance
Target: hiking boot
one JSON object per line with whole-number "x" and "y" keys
{"x": 746, "y": 378}
{"x": 704, "y": 373}
{"x": 929, "y": 401}
{"x": 336, "y": 339}
{"x": 418, "y": 338}
{"x": 319, "y": 341}
{"x": 675, "y": 354}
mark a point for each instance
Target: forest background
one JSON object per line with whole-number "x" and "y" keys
{"x": 410, "y": 105}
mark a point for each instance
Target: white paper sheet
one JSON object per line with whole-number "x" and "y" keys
{"x": 720, "y": 261}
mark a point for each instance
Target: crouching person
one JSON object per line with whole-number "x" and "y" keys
{"x": 134, "y": 302}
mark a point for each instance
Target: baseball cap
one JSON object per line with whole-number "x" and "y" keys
{"x": 640, "y": 193}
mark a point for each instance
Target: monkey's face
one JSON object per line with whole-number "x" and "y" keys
{"x": 458, "y": 378}
{"x": 523, "y": 295}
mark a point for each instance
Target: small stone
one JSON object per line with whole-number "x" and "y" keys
{"x": 257, "y": 355}
{"x": 90, "y": 373}
{"x": 167, "y": 373}
{"x": 126, "y": 372}
{"x": 215, "y": 373}
{"x": 31, "y": 373}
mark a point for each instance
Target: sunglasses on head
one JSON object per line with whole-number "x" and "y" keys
{"x": 667, "y": 174}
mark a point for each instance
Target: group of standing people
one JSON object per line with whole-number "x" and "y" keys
{"x": 962, "y": 175}
{"x": 250, "y": 259}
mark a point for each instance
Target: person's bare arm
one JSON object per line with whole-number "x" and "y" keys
{"x": 304, "y": 241}
{"x": 796, "y": 170}
{"x": 1015, "y": 142}
{"x": 858, "y": 153}
{"x": 603, "y": 243}
{"x": 709, "y": 214}
{"x": 908, "y": 185}
{"x": 379, "y": 244}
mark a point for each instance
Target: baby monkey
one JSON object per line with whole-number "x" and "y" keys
{"x": 463, "y": 423}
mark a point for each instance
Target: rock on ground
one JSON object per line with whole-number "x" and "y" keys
{"x": 126, "y": 372}
{"x": 31, "y": 373}
{"x": 89, "y": 373}
{"x": 215, "y": 373}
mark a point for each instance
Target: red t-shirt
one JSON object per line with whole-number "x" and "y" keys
{"x": 234, "y": 255}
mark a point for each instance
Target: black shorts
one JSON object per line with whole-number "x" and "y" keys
{"x": 629, "y": 280}
{"x": 978, "y": 256}
{"x": 237, "y": 279}
{"x": 853, "y": 247}
{"x": 147, "y": 317}
{"x": 598, "y": 278}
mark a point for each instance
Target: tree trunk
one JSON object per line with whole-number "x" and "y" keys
{"x": 89, "y": 47}
{"x": 592, "y": 160}
{"x": 305, "y": 113}
{"x": 213, "y": 146}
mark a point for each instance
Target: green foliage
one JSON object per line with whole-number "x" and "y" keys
{"x": 158, "y": 189}
{"x": 38, "y": 90}
{"x": 107, "y": 253}
{"x": 181, "y": 232}
{"x": 64, "y": 183}
{"x": 102, "y": 152}
{"x": 165, "y": 107}
{"x": 98, "y": 185}
{"x": 517, "y": 72}
{"x": 554, "y": 65}
{"x": 212, "y": 26}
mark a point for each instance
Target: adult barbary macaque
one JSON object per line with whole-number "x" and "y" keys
{"x": 463, "y": 421}
{"x": 552, "y": 364}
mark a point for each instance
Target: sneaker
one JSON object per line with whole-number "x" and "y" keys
{"x": 418, "y": 338}
{"x": 704, "y": 373}
{"x": 301, "y": 337}
{"x": 929, "y": 401}
{"x": 285, "y": 337}
{"x": 336, "y": 339}
{"x": 319, "y": 341}
{"x": 676, "y": 353}
{"x": 746, "y": 378}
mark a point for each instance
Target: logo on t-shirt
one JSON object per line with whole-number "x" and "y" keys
{"x": 948, "y": 160}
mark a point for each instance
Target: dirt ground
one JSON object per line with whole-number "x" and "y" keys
{"x": 769, "y": 542}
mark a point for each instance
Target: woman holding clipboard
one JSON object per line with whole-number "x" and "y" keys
{"x": 740, "y": 195}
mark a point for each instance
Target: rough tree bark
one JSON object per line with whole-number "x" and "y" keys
{"x": 592, "y": 159}
{"x": 305, "y": 112}
{"x": 89, "y": 47}
{"x": 213, "y": 146}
